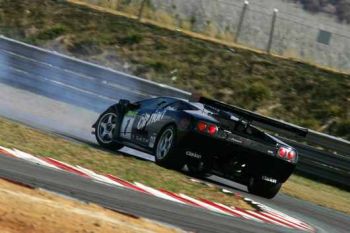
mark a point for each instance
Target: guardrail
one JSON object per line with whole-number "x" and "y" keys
{"x": 315, "y": 161}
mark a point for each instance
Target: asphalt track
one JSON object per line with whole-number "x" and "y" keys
{"x": 48, "y": 92}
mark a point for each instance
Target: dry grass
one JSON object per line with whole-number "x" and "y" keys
{"x": 17, "y": 136}
{"x": 321, "y": 194}
{"x": 30, "y": 210}
{"x": 132, "y": 169}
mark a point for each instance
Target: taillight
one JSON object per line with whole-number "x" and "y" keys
{"x": 212, "y": 129}
{"x": 202, "y": 126}
{"x": 207, "y": 128}
{"x": 291, "y": 155}
{"x": 287, "y": 154}
{"x": 282, "y": 152}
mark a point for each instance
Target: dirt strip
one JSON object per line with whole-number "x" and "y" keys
{"x": 30, "y": 210}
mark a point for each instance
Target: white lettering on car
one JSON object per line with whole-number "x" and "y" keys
{"x": 126, "y": 127}
{"x": 269, "y": 179}
{"x": 193, "y": 155}
{"x": 143, "y": 121}
{"x": 147, "y": 119}
{"x": 152, "y": 141}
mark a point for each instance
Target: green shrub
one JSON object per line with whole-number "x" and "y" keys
{"x": 52, "y": 32}
{"x": 258, "y": 92}
{"x": 130, "y": 39}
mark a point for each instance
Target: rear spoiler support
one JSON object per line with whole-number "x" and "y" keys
{"x": 254, "y": 118}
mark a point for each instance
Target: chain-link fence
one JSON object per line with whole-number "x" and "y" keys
{"x": 300, "y": 36}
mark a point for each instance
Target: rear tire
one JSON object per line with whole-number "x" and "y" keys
{"x": 166, "y": 153}
{"x": 197, "y": 169}
{"x": 106, "y": 129}
{"x": 263, "y": 188}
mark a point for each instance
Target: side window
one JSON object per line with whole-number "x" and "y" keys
{"x": 152, "y": 103}
{"x": 179, "y": 105}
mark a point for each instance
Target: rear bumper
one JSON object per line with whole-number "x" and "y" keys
{"x": 199, "y": 146}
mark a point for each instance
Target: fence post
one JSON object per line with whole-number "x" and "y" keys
{"x": 141, "y": 9}
{"x": 241, "y": 19}
{"x": 274, "y": 17}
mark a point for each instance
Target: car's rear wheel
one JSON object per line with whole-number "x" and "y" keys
{"x": 105, "y": 130}
{"x": 263, "y": 188}
{"x": 166, "y": 153}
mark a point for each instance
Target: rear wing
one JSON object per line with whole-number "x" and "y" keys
{"x": 256, "y": 119}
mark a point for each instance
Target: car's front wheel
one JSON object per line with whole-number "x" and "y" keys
{"x": 105, "y": 130}
{"x": 166, "y": 153}
{"x": 263, "y": 188}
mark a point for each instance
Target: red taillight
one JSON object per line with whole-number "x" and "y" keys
{"x": 202, "y": 126}
{"x": 282, "y": 152}
{"x": 212, "y": 129}
{"x": 207, "y": 128}
{"x": 287, "y": 154}
{"x": 291, "y": 155}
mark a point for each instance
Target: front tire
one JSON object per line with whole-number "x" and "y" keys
{"x": 166, "y": 154}
{"x": 105, "y": 130}
{"x": 263, "y": 188}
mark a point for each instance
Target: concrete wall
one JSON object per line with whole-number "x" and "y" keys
{"x": 295, "y": 35}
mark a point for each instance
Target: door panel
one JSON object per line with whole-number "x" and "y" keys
{"x": 127, "y": 125}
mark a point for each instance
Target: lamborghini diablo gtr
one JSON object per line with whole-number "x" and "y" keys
{"x": 207, "y": 136}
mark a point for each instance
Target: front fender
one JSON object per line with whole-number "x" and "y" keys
{"x": 120, "y": 108}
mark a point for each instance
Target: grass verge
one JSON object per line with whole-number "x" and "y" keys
{"x": 14, "y": 135}
{"x": 318, "y": 193}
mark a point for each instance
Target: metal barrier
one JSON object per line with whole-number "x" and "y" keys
{"x": 326, "y": 158}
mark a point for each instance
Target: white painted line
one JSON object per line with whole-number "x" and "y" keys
{"x": 266, "y": 219}
{"x": 158, "y": 193}
{"x": 65, "y": 166}
{"x": 245, "y": 215}
{"x": 268, "y": 215}
{"x": 7, "y": 151}
{"x": 204, "y": 205}
{"x": 126, "y": 184}
{"x": 32, "y": 158}
{"x": 293, "y": 220}
{"x": 98, "y": 177}
{"x": 283, "y": 220}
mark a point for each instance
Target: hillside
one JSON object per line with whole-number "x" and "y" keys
{"x": 285, "y": 89}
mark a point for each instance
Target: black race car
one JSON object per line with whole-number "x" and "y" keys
{"x": 207, "y": 136}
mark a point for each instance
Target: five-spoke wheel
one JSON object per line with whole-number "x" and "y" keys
{"x": 166, "y": 153}
{"x": 106, "y": 129}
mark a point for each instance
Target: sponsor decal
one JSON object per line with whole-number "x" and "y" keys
{"x": 193, "y": 154}
{"x": 141, "y": 139}
{"x": 152, "y": 141}
{"x": 131, "y": 114}
{"x": 128, "y": 121}
{"x": 147, "y": 119}
{"x": 270, "y": 152}
{"x": 269, "y": 179}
